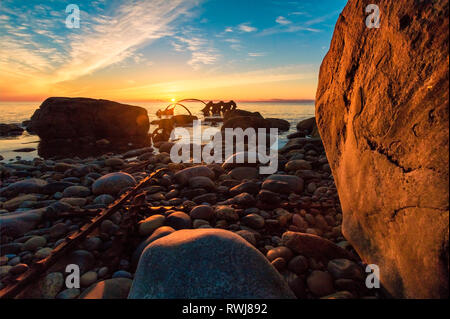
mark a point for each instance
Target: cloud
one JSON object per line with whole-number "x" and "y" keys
{"x": 133, "y": 25}
{"x": 202, "y": 51}
{"x": 322, "y": 18}
{"x": 256, "y": 54}
{"x": 290, "y": 28}
{"x": 282, "y": 20}
{"x": 232, "y": 40}
{"x": 229, "y": 29}
{"x": 102, "y": 40}
{"x": 245, "y": 27}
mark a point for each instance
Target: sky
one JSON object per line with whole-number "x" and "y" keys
{"x": 134, "y": 50}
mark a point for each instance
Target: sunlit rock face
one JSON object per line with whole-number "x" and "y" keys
{"x": 75, "y": 118}
{"x": 382, "y": 109}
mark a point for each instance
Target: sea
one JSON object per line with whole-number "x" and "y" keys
{"x": 17, "y": 112}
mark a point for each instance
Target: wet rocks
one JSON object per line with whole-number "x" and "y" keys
{"x": 51, "y": 285}
{"x": 104, "y": 199}
{"x": 188, "y": 272}
{"x": 269, "y": 197}
{"x": 202, "y": 182}
{"x": 241, "y": 173}
{"x": 17, "y": 224}
{"x": 320, "y": 283}
{"x": 182, "y": 177}
{"x": 34, "y": 243}
{"x": 345, "y": 269}
{"x": 84, "y": 259}
{"x": 116, "y": 288}
{"x": 147, "y": 226}
{"x": 10, "y": 130}
{"x": 76, "y": 191}
{"x": 244, "y": 200}
{"x": 88, "y": 278}
{"x": 16, "y": 202}
{"x": 313, "y": 245}
{"x": 295, "y": 183}
{"x": 253, "y": 220}
{"x": 113, "y": 183}
{"x": 226, "y": 213}
{"x": 246, "y": 187}
{"x": 202, "y": 212}
{"x": 26, "y": 186}
{"x": 179, "y": 220}
{"x": 296, "y": 165}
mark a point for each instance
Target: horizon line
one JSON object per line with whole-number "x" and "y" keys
{"x": 274, "y": 100}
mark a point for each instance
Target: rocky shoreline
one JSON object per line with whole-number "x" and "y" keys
{"x": 292, "y": 217}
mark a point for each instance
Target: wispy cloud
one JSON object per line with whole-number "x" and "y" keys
{"x": 246, "y": 27}
{"x": 256, "y": 54}
{"x": 203, "y": 53}
{"x": 282, "y": 20}
{"x": 101, "y": 41}
{"x": 286, "y": 29}
{"x": 118, "y": 36}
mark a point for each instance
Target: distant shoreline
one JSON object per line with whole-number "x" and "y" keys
{"x": 301, "y": 101}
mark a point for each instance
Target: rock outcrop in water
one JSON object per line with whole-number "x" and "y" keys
{"x": 75, "y": 118}
{"x": 382, "y": 111}
{"x": 245, "y": 119}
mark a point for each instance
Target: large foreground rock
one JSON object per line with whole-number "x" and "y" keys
{"x": 61, "y": 117}
{"x": 206, "y": 263}
{"x": 382, "y": 111}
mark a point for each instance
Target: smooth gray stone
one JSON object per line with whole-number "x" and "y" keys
{"x": 206, "y": 263}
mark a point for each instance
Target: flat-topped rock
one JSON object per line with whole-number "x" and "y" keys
{"x": 62, "y": 117}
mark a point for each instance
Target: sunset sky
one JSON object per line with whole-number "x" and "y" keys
{"x": 165, "y": 49}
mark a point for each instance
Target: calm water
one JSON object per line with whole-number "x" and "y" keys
{"x": 16, "y": 112}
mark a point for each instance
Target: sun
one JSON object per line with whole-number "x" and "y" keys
{"x": 173, "y": 100}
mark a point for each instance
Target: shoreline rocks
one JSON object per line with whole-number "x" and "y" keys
{"x": 300, "y": 197}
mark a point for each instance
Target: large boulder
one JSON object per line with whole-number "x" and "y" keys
{"x": 206, "y": 263}
{"x": 61, "y": 117}
{"x": 382, "y": 111}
